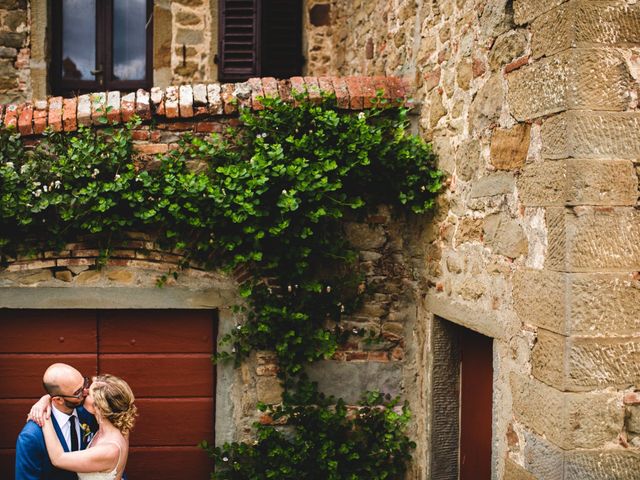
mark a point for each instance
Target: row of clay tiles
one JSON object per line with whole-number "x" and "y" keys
{"x": 186, "y": 101}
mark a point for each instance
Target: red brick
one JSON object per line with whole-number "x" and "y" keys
{"x": 98, "y": 104}
{"x": 143, "y": 104}
{"x": 297, "y": 87}
{"x": 113, "y": 107}
{"x": 69, "y": 106}
{"x": 31, "y": 265}
{"x": 397, "y": 353}
{"x": 123, "y": 254}
{"x": 75, "y": 262}
{"x": 380, "y": 85}
{"x": 39, "y": 121}
{"x": 200, "y": 111}
{"x": 208, "y": 127}
{"x": 342, "y": 91}
{"x": 355, "y": 93}
{"x": 185, "y": 101}
{"x": 396, "y": 90}
{"x": 128, "y": 106}
{"x": 62, "y": 254}
{"x": 357, "y": 356}
{"x": 175, "y": 126}
{"x": 368, "y": 92}
{"x": 25, "y": 125}
{"x": 55, "y": 114}
{"x": 256, "y": 92}
{"x": 378, "y": 357}
{"x": 326, "y": 85}
{"x": 311, "y": 83}
{"x": 11, "y": 116}
{"x": 151, "y": 148}
{"x": 284, "y": 87}
{"x": 228, "y": 99}
{"x": 516, "y": 64}
{"x": 140, "y": 134}
{"x": 270, "y": 87}
{"x": 86, "y": 253}
{"x": 632, "y": 398}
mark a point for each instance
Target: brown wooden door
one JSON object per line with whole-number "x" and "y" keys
{"x": 164, "y": 355}
{"x": 476, "y": 399}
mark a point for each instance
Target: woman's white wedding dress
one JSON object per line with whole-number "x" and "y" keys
{"x": 112, "y": 475}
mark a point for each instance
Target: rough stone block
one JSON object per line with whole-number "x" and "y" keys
{"x": 349, "y": 380}
{"x": 581, "y": 363}
{"x": 526, "y": 10}
{"x": 513, "y": 471}
{"x": 578, "y": 182}
{"x": 611, "y": 135}
{"x": 505, "y": 236}
{"x": 585, "y": 23}
{"x": 574, "y": 79}
{"x": 578, "y": 304}
{"x": 487, "y": 104}
{"x": 509, "y": 147}
{"x": 583, "y": 239}
{"x": 542, "y": 458}
{"x": 569, "y": 420}
{"x": 602, "y": 465}
{"x": 500, "y": 183}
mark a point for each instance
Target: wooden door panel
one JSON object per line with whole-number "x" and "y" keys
{"x": 163, "y": 375}
{"x": 44, "y": 331}
{"x": 189, "y": 420}
{"x": 13, "y": 418}
{"x": 476, "y": 400}
{"x": 157, "y": 332}
{"x": 21, "y": 374}
{"x": 168, "y": 463}
{"x": 7, "y": 463}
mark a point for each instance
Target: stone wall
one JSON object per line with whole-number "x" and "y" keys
{"x": 532, "y": 107}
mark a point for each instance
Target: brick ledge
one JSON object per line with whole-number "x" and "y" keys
{"x": 188, "y": 101}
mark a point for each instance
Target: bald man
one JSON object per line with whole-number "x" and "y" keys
{"x": 68, "y": 389}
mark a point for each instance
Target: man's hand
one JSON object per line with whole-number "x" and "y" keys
{"x": 41, "y": 410}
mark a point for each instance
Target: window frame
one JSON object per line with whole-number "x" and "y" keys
{"x": 104, "y": 54}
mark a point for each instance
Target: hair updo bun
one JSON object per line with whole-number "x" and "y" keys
{"x": 113, "y": 399}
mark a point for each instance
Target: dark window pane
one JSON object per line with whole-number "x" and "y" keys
{"x": 78, "y": 39}
{"x": 129, "y": 39}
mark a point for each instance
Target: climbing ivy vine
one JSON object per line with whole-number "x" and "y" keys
{"x": 266, "y": 199}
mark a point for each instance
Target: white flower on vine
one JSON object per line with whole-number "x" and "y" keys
{"x": 45, "y": 188}
{"x": 284, "y": 192}
{"x": 24, "y": 168}
{"x": 116, "y": 177}
{"x": 10, "y": 165}
{"x": 57, "y": 184}
{"x": 37, "y": 193}
{"x": 95, "y": 173}
{"x": 361, "y": 116}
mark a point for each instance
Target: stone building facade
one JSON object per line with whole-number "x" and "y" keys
{"x": 532, "y": 108}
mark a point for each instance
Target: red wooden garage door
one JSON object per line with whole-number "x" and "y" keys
{"x": 164, "y": 355}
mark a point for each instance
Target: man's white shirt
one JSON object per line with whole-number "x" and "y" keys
{"x": 65, "y": 426}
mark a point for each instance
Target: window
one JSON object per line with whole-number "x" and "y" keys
{"x": 260, "y": 38}
{"x": 100, "y": 45}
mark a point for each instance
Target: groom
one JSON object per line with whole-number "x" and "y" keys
{"x": 68, "y": 389}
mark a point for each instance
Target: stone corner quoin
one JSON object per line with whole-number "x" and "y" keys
{"x": 200, "y": 100}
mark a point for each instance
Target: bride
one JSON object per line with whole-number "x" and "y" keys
{"x": 110, "y": 400}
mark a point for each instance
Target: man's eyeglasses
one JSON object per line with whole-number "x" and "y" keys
{"x": 80, "y": 392}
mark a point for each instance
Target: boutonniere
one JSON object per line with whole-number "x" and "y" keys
{"x": 86, "y": 432}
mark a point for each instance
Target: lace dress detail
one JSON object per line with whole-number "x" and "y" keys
{"x": 112, "y": 475}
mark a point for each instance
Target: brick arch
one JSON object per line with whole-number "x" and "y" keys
{"x": 190, "y": 103}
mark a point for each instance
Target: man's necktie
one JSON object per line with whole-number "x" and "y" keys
{"x": 74, "y": 433}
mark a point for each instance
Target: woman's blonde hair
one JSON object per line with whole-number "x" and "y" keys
{"x": 114, "y": 399}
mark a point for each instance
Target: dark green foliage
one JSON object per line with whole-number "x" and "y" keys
{"x": 322, "y": 440}
{"x": 269, "y": 202}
